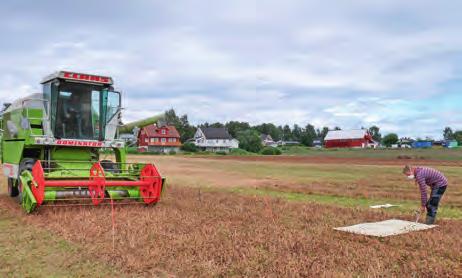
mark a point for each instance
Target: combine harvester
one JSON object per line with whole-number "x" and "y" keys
{"x": 51, "y": 145}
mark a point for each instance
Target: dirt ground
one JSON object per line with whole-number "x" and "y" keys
{"x": 338, "y": 160}
{"x": 380, "y": 178}
{"x": 193, "y": 233}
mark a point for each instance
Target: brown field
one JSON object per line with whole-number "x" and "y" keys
{"x": 195, "y": 231}
{"x": 338, "y": 160}
{"x": 339, "y": 177}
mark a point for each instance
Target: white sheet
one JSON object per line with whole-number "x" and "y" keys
{"x": 385, "y": 228}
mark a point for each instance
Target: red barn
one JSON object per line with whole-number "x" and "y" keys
{"x": 158, "y": 139}
{"x": 356, "y": 138}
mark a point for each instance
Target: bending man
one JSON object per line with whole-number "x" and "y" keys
{"x": 424, "y": 177}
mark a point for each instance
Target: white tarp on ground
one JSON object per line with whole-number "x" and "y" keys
{"x": 385, "y": 228}
{"x": 383, "y": 206}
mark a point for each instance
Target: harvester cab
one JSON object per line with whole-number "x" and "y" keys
{"x": 51, "y": 145}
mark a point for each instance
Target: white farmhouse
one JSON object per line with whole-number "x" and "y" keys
{"x": 267, "y": 140}
{"x": 214, "y": 139}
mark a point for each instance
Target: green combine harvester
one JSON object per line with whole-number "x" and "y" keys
{"x": 51, "y": 145}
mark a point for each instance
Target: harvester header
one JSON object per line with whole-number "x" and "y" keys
{"x": 51, "y": 144}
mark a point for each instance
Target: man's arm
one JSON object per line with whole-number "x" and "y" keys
{"x": 423, "y": 190}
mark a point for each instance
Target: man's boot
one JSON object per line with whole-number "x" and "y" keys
{"x": 430, "y": 220}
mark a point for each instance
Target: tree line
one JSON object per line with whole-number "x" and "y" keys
{"x": 249, "y": 135}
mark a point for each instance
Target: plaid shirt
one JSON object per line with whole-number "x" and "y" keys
{"x": 427, "y": 176}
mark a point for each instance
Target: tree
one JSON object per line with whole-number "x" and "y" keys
{"x": 270, "y": 129}
{"x": 448, "y": 134}
{"x": 181, "y": 124}
{"x": 186, "y": 130}
{"x": 249, "y": 140}
{"x": 296, "y": 133}
{"x": 322, "y": 133}
{"x": 374, "y": 131}
{"x": 217, "y": 125}
{"x": 286, "y": 133}
{"x": 308, "y": 136}
{"x": 458, "y": 137}
{"x": 390, "y": 139}
{"x": 337, "y": 128}
{"x": 189, "y": 147}
{"x": 235, "y": 127}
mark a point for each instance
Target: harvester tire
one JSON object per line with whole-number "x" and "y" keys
{"x": 25, "y": 165}
{"x": 13, "y": 190}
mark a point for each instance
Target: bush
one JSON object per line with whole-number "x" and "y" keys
{"x": 189, "y": 147}
{"x": 221, "y": 153}
{"x": 239, "y": 151}
{"x": 172, "y": 152}
{"x": 249, "y": 140}
{"x": 390, "y": 139}
{"x": 270, "y": 151}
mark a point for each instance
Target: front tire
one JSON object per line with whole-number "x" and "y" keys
{"x": 25, "y": 165}
{"x": 13, "y": 190}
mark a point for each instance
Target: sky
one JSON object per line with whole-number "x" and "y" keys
{"x": 352, "y": 64}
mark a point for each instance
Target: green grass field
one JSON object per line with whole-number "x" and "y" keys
{"x": 341, "y": 184}
{"x": 437, "y": 153}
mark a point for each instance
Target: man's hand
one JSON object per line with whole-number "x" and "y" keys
{"x": 423, "y": 209}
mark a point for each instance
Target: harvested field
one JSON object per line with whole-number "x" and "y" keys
{"x": 377, "y": 181}
{"x": 399, "y": 160}
{"x": 200, "y": 228}
{"x": 218, "y": 234}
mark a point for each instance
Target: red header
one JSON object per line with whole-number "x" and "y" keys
{"x": 86, "y": 77}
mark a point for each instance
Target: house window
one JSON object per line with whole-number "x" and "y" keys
{"x": 164, "y": 131}
{"x": 156, "y": 140}
{"x": 163, "y": 140}
{"x": 152, "y": 140}
{"x": 146, "y": 140}
{"x": 173, "y": 139}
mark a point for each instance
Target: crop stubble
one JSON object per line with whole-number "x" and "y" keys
{"x": 192, "y": 233}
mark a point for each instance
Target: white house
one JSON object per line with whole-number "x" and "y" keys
{"x": 214, "y": 139}
{"x": 267, "y": 140}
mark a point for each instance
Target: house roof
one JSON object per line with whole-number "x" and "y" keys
{"x": 266, "y": 137}
{"x": 155, "y": 131}
{"x": 346, "y": 134}
{"x": 216, "y": 133}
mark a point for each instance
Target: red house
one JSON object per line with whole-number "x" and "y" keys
{"x": 158, "y": 139}
{"x": 356, "y": 138}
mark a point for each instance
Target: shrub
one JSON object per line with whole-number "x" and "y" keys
{"x": 249, "y": 140}
{"x": 239, "y": 151}
{"x": 390, "y": 139}
{"x": 221, "y": 153}
{"x": 172, "y": 152}
{"x": 270, "y": 151}
{"x": 189, "y": 147}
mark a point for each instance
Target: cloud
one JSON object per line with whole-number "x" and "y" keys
{"x": 347, "y": 64}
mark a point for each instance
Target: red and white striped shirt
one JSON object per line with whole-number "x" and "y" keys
{"x": 428, "y": 177}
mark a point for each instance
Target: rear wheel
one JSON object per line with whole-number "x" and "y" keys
{"x": 12, "y": 189}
